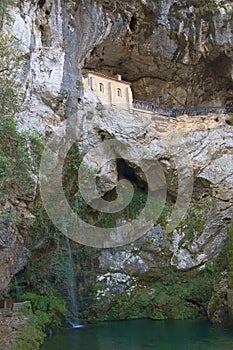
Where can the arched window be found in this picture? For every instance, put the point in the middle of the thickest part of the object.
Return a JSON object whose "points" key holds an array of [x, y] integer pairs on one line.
{"points": [[101, 86], [119, 92]]}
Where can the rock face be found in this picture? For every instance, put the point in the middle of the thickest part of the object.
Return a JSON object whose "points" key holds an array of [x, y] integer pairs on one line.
{"points": [[13, 255], [15, 221], [170, 50], [209, 153], [195, 155], [174, 53]]}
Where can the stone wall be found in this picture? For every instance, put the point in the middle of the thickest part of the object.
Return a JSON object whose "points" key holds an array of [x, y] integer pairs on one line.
{"points": [[110, 91]]}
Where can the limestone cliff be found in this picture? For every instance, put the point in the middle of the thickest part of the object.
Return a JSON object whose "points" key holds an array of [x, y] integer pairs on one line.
{"points": [[174, 53]]}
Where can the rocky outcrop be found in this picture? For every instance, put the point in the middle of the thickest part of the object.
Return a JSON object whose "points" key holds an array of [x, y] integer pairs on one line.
{"points": [[13, 254], [15, 221], [203, 146], [171, 51], [209, 153], [174, 53]]}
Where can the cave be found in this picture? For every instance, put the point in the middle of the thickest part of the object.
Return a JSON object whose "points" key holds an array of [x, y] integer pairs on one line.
{"points": [[126, 171], [129, 172], [133, 24], [201, 188], [140, 52], [41, 3]]}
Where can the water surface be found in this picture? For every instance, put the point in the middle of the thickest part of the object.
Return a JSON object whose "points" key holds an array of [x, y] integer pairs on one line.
{"points": [[143, 334]]}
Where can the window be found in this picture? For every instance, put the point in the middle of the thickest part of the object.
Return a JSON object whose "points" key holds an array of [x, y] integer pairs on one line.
{"points": [[101, 86], [119, 92]]}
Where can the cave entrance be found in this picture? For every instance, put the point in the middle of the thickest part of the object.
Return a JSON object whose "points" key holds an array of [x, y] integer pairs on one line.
{"points": [[126, 171], [131, 173]]}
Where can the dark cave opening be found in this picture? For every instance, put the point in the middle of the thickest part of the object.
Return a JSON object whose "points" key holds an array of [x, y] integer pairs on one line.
{"points": [[133, 24], [126, 171], [133, 209], [41, 3]]}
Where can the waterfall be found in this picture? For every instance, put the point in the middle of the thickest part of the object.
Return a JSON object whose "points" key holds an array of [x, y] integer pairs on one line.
{"points": [[71, 287]]}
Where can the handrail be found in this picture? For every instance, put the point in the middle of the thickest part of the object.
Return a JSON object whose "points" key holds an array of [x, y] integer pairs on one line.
{"points": [[175, 112]]}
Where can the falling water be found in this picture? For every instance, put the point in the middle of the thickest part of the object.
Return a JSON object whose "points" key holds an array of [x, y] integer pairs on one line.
{"points": [[71, 288]]}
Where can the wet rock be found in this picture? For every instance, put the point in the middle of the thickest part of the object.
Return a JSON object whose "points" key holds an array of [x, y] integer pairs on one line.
{"points": [[13, 255]]}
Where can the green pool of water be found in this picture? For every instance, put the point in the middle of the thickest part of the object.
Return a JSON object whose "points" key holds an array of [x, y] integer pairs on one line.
{"points": [[143, 334]]}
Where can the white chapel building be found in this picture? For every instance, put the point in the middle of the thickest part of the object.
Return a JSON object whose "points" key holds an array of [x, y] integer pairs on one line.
{"points": [[110, 91]]}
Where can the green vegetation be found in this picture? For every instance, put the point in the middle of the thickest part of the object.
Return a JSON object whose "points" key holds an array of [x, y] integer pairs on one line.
{"points": [[230, 119], [29, 337], [42, 227], [163, 219], [230, 255], [47, 311], [211, 6], [191, 225], [46, 271], [136, 205], [130, 213], [19, 152], [206, 6], [172, 295], [70, 173], [194, 223], [71, 187], [19, 157]]}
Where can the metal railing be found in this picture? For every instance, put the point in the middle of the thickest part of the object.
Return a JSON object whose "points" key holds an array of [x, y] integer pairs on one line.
{"points": [[176, 112], [146, 106]]}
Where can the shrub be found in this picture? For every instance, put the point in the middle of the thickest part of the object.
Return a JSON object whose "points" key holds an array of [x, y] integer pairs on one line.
{"points": [[29, 338], [48, 310], [19, 154], [230, 119]]}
